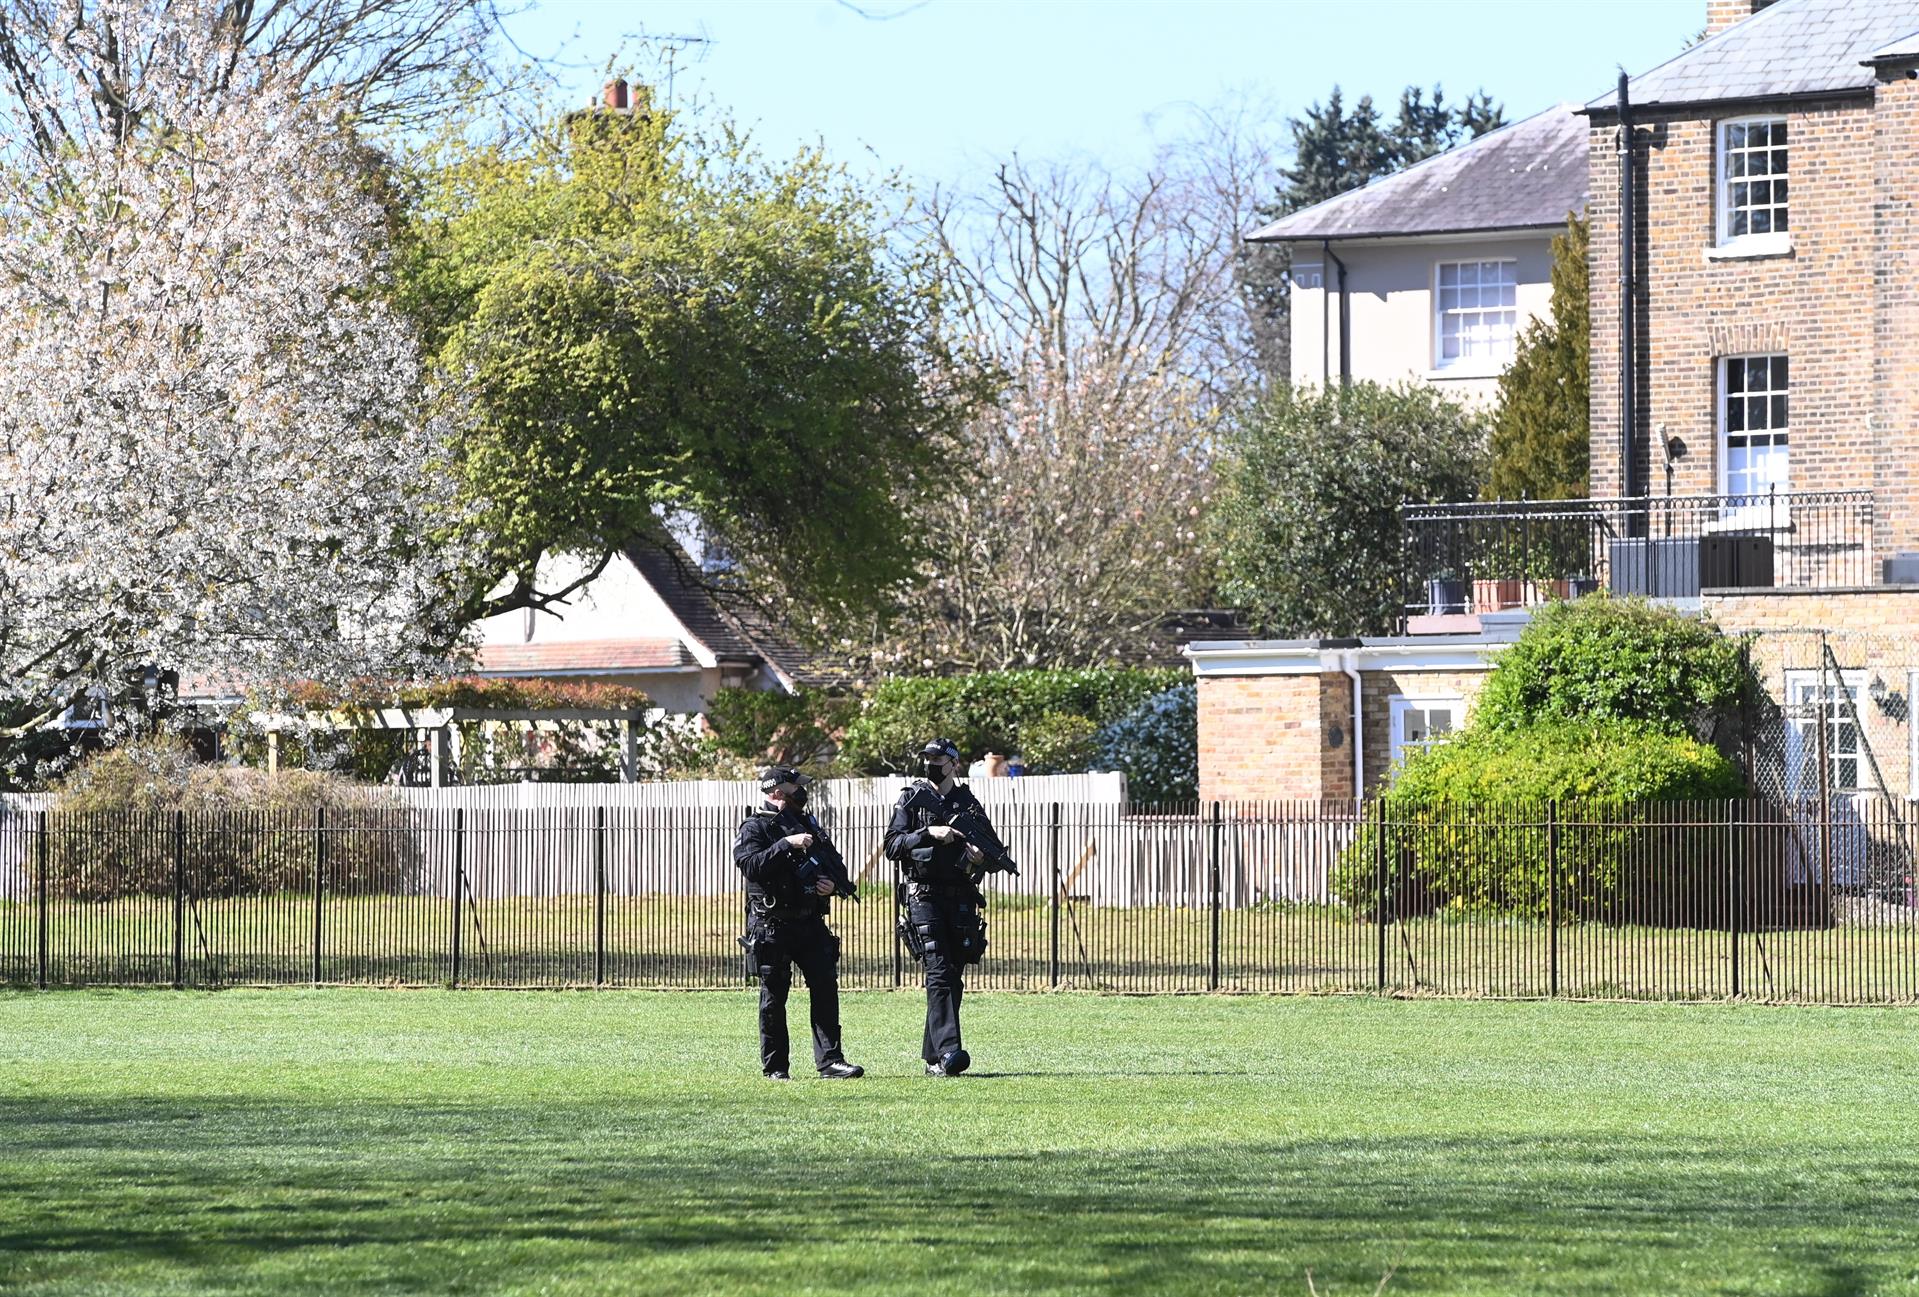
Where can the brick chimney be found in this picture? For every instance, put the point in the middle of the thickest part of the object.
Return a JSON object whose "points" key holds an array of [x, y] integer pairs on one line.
{"points": [[615, 94], [1721, 14]]}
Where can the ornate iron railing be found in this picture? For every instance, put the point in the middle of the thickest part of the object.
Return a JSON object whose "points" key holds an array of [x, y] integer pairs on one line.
{"points": [[1486, 556]]}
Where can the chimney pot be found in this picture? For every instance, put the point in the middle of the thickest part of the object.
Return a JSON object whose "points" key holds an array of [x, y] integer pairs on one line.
{"points": [[616, 95]]}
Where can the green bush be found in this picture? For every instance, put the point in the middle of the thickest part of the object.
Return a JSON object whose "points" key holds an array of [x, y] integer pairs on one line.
{"points": [[768, 725], [1060, 743], [1605, 659], [1156, 746], [1467, 819], [1306, 524], [248, 833], [992, 711]]}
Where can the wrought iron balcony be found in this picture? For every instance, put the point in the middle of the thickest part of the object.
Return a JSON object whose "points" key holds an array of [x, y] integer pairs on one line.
{"points": [[1486, 556]]}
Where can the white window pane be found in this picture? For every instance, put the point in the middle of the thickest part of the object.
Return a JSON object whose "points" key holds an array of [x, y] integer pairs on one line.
{"points": [[1735, 137], [1448, 274]]}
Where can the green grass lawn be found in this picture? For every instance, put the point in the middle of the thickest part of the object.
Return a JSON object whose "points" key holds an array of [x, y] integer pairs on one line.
{"points": [[689, 942], [486, 1142]]}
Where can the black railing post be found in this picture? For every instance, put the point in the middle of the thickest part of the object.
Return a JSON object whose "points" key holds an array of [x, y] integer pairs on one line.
{"points": [[599, 896], [1552, 898], [179, 899], [459, 886], [1213, 871], [40, 849], [1735, 893], [1052, 852], [1379, 881], [319, 885]]}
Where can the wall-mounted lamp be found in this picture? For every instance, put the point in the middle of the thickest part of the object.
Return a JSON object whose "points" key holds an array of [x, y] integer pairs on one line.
{"points": [[1887, 700]]}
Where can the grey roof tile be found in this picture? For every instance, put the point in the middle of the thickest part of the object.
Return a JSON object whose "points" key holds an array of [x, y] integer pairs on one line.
{"points": [[1794, 47], [1524, 176]]}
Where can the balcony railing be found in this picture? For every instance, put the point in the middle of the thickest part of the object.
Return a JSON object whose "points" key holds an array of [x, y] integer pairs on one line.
{"points": [[1491, 555]]}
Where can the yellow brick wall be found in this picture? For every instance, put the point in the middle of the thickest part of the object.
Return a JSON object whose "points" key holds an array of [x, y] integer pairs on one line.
{"points": [[1814, 304], [1378, 688], [1260, 738]]}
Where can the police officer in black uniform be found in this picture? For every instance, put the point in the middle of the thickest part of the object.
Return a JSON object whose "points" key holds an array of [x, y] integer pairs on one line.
{"points": [[944, 843], [792, 870]]}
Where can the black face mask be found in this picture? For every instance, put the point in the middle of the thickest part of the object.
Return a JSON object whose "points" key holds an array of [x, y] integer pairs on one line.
{"points": [[797, 801], [933, 772]]}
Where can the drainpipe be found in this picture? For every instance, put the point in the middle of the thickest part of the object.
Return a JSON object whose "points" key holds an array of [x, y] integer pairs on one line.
{"points": [[1325, 320], [1345, 317], [1349, 663], [1628, 213]]}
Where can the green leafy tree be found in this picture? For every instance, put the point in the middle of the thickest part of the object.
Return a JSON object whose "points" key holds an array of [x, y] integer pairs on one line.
{"points": [[1307, 521], [1541, 437], [1336, 148], [652, 320]]}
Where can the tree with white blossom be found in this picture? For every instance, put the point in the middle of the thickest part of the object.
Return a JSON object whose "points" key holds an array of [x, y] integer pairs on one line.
{"points": [[217, 450]]}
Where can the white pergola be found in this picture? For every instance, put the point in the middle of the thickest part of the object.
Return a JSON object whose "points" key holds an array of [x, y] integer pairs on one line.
{"points": [[437, 723]]}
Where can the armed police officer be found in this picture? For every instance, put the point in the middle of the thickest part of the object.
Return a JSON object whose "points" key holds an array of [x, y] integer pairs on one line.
{"points": [[944, 844], [792, 871]]}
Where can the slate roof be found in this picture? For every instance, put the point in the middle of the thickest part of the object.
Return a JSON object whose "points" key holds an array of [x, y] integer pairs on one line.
{"points": [[1524, 176], [1792, 48]]}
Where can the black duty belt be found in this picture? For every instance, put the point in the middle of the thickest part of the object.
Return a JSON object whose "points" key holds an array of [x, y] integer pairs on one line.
{"points": [[945, 891], [765, 907]]}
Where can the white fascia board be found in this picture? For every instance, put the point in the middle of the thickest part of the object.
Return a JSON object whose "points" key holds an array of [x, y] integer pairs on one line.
{"points": [[1419, 657], [1262, 660], [1254, 659]]}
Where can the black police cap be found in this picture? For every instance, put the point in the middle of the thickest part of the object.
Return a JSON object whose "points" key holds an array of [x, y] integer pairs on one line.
{"points": [[940, 748], [773, 776]]}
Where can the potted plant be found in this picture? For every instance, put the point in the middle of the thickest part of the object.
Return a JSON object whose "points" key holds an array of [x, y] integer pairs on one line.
{"points": [[1445, 593], [1499, 583]]}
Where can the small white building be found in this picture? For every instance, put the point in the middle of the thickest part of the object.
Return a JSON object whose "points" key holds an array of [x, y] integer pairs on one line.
{"points": [[1432, 272]]}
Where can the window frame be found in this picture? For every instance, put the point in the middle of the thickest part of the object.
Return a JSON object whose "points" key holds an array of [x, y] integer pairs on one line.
{"points": [[1472, 365], [1802, 743], [1399, 704], [1773, 241], [1722, 451]]}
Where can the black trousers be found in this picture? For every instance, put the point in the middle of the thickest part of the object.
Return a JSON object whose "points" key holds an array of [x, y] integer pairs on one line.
{"points": [[808, 944], [940, 921]]}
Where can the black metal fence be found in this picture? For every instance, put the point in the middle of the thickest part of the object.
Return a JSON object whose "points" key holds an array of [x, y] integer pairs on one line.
{"points": [[1764, 900], [1486, 556]]}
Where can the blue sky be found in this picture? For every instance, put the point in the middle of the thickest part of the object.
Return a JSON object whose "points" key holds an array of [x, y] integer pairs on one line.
{"points": [[943, 89]]}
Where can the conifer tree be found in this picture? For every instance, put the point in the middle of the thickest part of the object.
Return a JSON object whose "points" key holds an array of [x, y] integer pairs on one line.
{"points": [[1336, 149], [1540, 435]]}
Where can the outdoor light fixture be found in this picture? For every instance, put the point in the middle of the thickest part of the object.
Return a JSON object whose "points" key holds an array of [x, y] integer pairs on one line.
{"points": [[1893, 704]]}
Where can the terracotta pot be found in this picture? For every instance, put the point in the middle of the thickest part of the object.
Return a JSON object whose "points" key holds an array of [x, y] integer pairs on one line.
{"points": [[1491, 596]]}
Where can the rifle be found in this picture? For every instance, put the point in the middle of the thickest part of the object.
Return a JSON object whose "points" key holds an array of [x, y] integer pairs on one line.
{"points": [[973, 825], [814, 866]]}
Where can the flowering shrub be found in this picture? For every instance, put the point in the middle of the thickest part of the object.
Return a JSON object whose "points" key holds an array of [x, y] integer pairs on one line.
{"points": [[1156, 746]]}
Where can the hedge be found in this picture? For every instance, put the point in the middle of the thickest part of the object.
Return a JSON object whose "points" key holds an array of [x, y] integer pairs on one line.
{"points": [[249, 834], [995, 711]]}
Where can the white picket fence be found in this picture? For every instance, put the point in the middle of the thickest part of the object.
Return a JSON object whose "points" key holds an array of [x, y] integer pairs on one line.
{"points": [[676, 839]]}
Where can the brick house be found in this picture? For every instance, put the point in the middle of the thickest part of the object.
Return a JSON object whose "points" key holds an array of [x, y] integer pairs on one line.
{"points": [[1763, 347]]}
